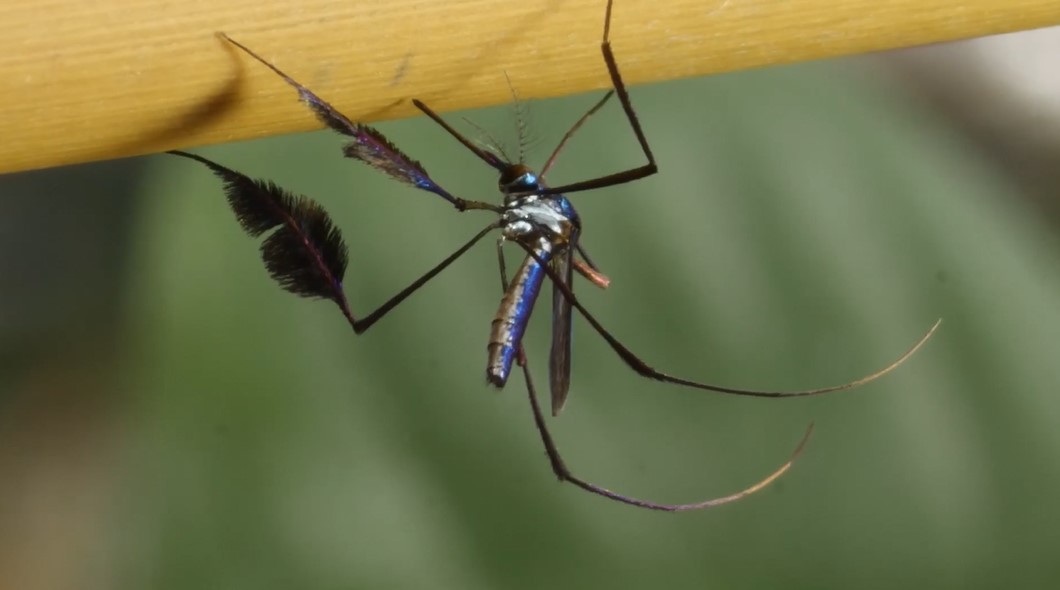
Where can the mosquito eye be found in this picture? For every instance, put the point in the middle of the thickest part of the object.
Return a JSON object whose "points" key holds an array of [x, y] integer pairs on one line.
{"points": [[524, 183]]}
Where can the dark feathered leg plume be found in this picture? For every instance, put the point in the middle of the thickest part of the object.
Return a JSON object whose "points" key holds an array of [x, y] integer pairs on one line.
{"points": [[306, 254]]}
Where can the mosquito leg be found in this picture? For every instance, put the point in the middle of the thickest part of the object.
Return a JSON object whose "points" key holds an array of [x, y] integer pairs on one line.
{"points": [[368, 145], [361, 325], [570, 133], [642, 368], [310, 260], [500, 263], [564, 474], [623, 97]]}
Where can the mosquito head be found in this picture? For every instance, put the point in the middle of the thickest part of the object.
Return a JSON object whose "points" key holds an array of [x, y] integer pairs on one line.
{"points": [[518, 178]]}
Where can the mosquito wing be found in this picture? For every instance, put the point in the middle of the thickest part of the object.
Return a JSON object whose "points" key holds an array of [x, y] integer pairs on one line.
{"points": [[559, 359]]}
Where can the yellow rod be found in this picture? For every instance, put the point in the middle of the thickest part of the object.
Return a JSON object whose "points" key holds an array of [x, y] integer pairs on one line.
{"points": [[93, 80]]}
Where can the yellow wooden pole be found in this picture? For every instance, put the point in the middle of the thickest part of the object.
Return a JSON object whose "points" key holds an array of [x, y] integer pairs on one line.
{"points": [[91, 80]]}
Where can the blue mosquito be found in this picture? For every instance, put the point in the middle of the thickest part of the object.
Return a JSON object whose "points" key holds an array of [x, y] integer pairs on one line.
{"points": [[306, 255]]}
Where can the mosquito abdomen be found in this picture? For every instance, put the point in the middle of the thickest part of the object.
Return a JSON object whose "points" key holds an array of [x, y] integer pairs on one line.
{"points": [[509, 324]]}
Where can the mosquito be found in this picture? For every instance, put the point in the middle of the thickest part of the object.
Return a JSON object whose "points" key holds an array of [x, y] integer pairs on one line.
{"points": [[306, 255]]}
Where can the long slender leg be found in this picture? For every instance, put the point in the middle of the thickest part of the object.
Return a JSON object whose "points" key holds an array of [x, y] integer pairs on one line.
{"points": [[564, 474], [620, 89], [368, 145], [642, 368], [500, 262], [559, 468], [305, 253], [570, 133], [361, 325]]}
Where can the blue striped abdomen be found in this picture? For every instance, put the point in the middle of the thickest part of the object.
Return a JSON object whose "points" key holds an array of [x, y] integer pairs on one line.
{"points": [[512, 317]]}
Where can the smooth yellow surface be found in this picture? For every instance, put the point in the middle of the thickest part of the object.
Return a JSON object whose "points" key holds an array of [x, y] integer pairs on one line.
{"points": [[82, 81]]}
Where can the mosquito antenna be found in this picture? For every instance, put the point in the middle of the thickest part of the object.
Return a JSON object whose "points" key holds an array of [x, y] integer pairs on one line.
{"points": [[520, 119], [483, 155], [491, 142]]}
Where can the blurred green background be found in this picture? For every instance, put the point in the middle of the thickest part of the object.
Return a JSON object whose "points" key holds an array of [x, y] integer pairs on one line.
{"points": [[807, 225]]}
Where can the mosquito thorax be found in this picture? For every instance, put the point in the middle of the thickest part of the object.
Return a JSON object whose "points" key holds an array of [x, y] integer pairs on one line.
{"points": [[540, 216]]}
